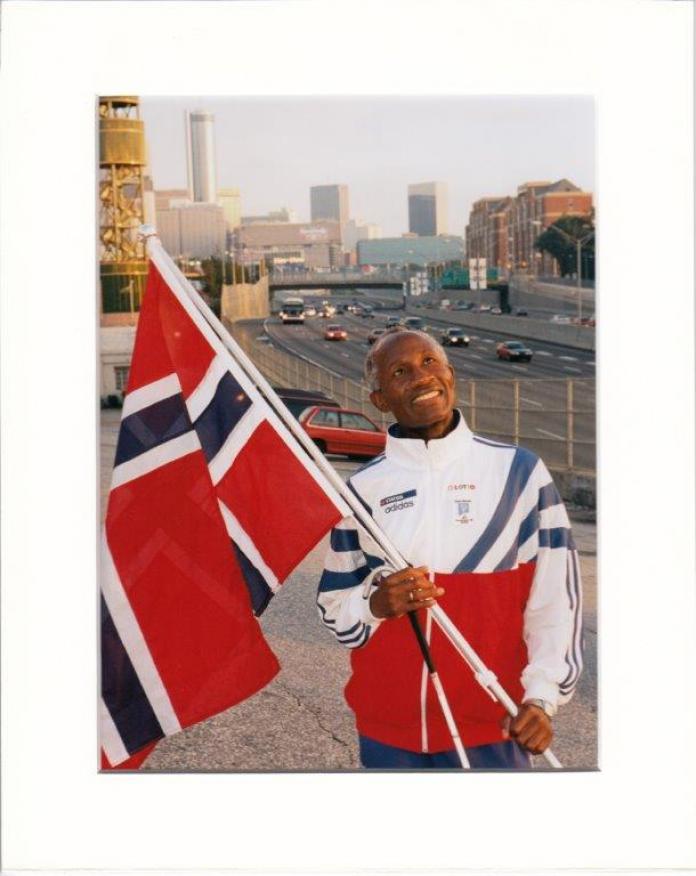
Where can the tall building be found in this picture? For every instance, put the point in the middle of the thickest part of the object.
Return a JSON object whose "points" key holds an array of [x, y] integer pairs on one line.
{"points": [[487, 234], [200, 155], [312, 244], [167, 198], [427, 209], [192, 230], [231, 203], [355, 230], [329, 203]]}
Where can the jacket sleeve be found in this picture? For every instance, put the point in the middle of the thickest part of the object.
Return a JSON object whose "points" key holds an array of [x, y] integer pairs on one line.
{"points": [[346, 585], [553, 614]]}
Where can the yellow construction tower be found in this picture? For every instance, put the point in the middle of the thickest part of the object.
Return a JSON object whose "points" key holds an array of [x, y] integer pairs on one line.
{"points": [[122, 159]]}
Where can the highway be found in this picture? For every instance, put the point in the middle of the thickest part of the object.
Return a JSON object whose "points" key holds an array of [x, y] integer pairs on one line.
{"points": [[478, 361], [542, 424]]}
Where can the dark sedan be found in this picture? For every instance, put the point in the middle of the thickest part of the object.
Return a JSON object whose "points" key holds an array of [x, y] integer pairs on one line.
{"points": [[454, 337], [513, 351]]}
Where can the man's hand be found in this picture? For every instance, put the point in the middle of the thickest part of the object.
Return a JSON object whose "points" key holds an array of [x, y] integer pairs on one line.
{"points": [[404, 591], [531, 728]]}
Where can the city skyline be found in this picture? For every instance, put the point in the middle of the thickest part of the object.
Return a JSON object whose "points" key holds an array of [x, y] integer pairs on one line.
{"points": [[276, 149]]}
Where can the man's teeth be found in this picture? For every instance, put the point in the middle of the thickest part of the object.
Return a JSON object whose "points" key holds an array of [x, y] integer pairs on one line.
{"points": [[426, 396]]}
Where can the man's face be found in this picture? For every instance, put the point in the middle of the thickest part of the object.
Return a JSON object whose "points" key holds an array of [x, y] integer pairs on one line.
{"points": [[416, 383]]}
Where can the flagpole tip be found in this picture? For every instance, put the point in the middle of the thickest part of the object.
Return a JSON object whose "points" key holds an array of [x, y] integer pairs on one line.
{"points": [[146, 231]]}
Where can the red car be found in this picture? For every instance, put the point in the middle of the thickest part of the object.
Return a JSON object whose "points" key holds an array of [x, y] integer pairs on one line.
{"points": [[337, 430], [513, 351], [335, 333]]}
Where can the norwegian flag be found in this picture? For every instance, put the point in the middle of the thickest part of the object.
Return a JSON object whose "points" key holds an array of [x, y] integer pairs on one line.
{"points": [[213, 503]]}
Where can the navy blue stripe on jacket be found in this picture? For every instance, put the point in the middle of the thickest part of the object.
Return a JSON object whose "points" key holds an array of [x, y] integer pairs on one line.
{"points": [[343, 580], [523, 464], [574, 656]]}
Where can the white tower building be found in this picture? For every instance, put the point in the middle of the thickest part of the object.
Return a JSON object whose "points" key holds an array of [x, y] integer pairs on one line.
{"points": [[200, 155]]}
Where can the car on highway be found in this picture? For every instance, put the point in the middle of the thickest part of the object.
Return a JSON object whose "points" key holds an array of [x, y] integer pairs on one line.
{"points": [[415, 324], [299, 400], [521, 312], [340, 430], [496, 311], [335, 332], [393, 320], [462, 305], [310, 310], [560, 319], [374, 334], [365, 310], [454, 337], [513, 351]]}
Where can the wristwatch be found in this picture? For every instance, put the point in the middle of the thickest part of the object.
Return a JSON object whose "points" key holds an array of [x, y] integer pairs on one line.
{"points": [[545, 705]]}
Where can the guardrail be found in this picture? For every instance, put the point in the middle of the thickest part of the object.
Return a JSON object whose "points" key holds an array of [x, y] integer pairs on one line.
{"points": [[554, 417]]}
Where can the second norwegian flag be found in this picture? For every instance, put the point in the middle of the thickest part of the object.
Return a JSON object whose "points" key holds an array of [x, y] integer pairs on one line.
{"points": [[212, 505]]}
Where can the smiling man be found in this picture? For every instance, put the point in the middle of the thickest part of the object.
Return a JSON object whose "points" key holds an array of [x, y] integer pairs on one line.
{"points": [[488, 537]]}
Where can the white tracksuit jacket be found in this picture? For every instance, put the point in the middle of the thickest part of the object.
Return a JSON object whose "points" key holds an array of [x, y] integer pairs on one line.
{"points": [[487, 519]]}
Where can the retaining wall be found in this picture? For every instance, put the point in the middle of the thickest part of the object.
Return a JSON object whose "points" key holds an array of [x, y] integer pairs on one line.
{"points": [[580, 337], [245, 301]]}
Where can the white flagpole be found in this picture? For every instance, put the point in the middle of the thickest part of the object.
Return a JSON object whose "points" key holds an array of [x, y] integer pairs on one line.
{"points": [[483, 675]]}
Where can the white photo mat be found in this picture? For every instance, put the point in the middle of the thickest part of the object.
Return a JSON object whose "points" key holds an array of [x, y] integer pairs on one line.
{"points": [[639, 811]]}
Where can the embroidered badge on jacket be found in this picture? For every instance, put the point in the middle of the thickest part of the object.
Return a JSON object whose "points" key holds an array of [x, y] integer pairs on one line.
{"points": [[463, 507]]}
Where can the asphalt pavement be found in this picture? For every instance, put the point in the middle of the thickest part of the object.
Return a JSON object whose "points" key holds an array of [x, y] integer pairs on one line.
{"points": [[300, 721]]}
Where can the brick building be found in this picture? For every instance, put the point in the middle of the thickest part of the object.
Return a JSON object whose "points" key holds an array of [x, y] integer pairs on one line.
{"points": [[503, 229]]}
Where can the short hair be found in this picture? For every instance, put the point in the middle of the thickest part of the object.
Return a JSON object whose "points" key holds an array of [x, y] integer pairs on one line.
{"points": [[370, 369]]}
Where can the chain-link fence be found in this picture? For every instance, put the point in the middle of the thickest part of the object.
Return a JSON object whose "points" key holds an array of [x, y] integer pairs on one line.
{"points": [[555, 417]]}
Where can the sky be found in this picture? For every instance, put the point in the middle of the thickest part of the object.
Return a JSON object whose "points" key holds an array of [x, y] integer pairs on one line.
{"points": [[274, 149]]}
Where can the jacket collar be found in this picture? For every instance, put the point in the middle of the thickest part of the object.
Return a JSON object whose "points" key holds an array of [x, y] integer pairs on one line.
{"points": [[416, 453]]}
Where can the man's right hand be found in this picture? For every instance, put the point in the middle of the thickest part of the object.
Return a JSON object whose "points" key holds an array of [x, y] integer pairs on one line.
{"points": [[403, 591]]}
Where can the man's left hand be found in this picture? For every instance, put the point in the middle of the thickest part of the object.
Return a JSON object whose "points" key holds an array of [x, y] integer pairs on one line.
{"points": [[532, 728]]}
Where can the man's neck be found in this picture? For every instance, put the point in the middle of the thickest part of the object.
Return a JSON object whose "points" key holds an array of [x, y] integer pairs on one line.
{"points": [[429, 433]]}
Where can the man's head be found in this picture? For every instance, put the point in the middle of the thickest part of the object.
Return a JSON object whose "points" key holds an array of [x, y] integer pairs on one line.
{"points": [[410, 376]]}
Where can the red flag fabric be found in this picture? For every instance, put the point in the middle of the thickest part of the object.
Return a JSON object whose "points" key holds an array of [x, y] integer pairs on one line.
{"points": [[212, 505]]}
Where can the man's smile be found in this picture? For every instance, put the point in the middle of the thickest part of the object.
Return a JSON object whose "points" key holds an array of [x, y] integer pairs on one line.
{"points": [[426, 396]]}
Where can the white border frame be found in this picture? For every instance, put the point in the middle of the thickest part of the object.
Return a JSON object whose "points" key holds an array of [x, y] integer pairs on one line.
{"points": [[635, 56]]}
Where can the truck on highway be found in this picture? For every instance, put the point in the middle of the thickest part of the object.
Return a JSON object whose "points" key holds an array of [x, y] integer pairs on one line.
{"points": [[292, 310]]}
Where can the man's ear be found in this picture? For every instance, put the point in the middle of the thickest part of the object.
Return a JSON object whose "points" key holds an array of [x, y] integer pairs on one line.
{"points": [[378, 401]]}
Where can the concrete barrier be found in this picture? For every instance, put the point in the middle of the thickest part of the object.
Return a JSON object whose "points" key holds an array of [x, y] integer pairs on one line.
{"points": [[245, 301], [579, 337]]}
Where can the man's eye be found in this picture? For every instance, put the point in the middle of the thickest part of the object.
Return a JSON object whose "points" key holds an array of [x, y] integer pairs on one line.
{"points": [[398, 372]]}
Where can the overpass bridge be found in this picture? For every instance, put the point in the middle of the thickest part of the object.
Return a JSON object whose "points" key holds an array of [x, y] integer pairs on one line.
{"points": [[393, 279]]}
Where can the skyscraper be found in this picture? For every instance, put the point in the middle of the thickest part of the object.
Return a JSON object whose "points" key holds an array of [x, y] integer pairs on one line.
{"points": [[329, 202], [427, 209], [200, 155]]}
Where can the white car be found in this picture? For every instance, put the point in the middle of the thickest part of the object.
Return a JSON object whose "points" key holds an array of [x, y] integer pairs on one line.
{"points": [[560, 319]]}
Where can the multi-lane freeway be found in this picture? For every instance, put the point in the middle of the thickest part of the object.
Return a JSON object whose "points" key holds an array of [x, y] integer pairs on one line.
{"points": [[529, 400], [477, 361]]}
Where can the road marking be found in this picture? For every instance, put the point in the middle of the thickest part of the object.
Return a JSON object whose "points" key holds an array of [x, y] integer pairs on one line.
{"points": [[345, 355], [543, 353], [475, 356], [531, 401], [574, 370], [568, 358], [488, 340], [551, 434], [519, 368]]}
